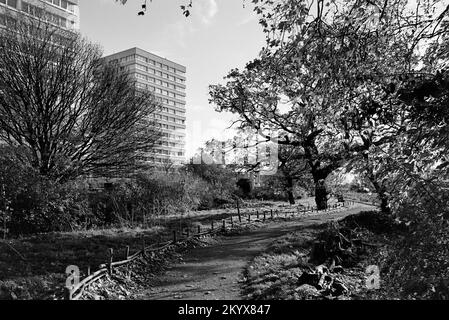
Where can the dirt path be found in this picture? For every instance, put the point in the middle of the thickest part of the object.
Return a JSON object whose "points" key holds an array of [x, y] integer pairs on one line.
{"points": [[215, 271]]}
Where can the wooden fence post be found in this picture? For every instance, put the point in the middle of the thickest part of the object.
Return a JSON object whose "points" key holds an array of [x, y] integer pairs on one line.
{"points": [[249, 217], [143, 247], [238, 211], [111, 258], [68, 293], [199, 229], [188, 232], [212, 224], [257, 214], [224, 224], [264, 216], [271, 211], [88, 271]]}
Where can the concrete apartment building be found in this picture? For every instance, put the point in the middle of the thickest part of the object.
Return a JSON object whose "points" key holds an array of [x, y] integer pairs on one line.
{"points": [[166, 80], [62, 13]]}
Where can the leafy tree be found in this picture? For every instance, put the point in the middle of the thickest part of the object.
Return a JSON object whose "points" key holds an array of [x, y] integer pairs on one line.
{"points": [[293, 169], [222, 178], [247, 156], [68, 111], [326, 78]]}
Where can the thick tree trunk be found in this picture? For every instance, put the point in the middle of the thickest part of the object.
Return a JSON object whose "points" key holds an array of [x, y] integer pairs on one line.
{"points": [[320, 195], [384, 199], [384, 205], [291, 198], [319, 175], [380, 190], [319, 170]]}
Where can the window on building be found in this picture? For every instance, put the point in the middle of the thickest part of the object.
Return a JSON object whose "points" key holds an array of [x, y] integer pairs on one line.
{"points": [[63, 22], [25, 7], [139, 66], [12, 3]]}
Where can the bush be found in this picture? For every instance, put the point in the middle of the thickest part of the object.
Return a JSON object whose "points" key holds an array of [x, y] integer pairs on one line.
{"points": [[416, 265], [336, 244], [157, 193], [274, 188], [35, 204], [374, 221]]}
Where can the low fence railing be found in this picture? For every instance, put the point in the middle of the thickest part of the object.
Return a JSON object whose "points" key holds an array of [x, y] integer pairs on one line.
{"points": [[75, 291]]}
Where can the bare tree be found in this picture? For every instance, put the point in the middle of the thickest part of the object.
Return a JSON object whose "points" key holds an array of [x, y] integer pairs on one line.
{"points": [[168, 166], [72, 112]]}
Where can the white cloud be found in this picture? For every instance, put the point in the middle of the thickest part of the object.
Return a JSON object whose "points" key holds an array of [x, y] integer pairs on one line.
{"points": [[251, 17], [206, 10]]}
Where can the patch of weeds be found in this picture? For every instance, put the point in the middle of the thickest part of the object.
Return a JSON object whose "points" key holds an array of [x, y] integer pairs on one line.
{"points": [[317, 262], [127, 282]]}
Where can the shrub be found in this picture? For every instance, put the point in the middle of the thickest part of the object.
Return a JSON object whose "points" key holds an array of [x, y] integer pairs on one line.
{"points": [[37, 204]]}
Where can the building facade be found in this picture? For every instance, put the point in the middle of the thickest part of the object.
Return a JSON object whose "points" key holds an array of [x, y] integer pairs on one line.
{"points": [[62, 13], [167, 81]]}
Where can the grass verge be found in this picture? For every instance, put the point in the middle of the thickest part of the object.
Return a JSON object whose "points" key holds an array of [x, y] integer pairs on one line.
{"points": [[326, 261]]}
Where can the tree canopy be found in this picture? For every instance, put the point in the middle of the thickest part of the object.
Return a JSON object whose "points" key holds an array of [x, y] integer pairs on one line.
{"points": [[334, 76], [65, 110]]}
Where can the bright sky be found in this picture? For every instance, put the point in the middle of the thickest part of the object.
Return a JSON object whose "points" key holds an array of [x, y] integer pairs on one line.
{"points": [[218, 36]]}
